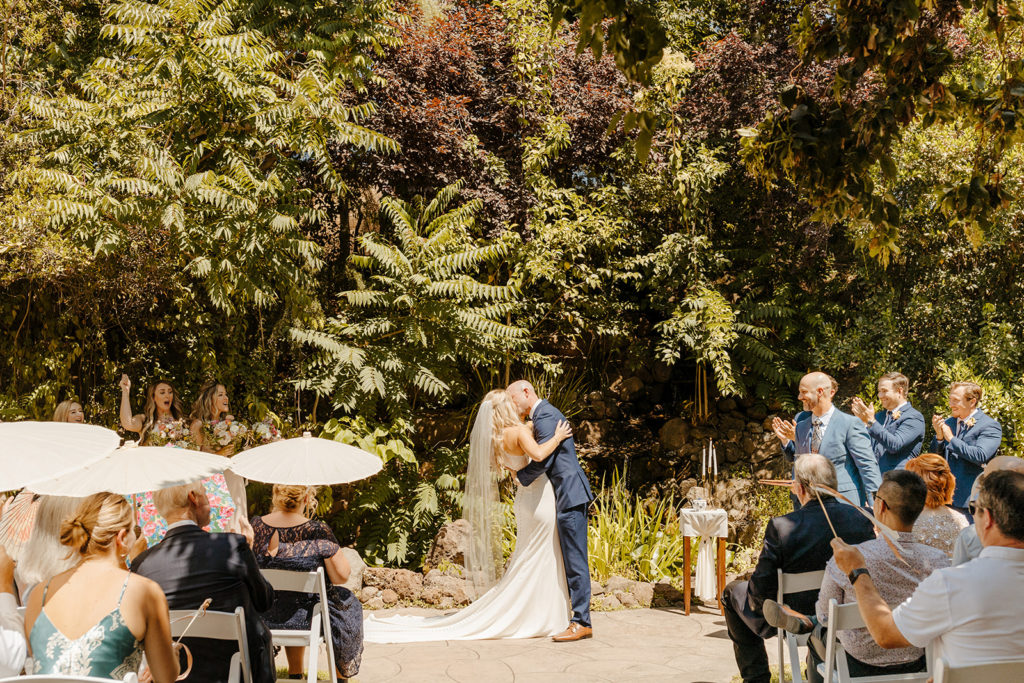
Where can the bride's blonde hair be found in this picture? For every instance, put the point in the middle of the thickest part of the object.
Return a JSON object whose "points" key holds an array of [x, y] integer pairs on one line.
{"points": [[504, 415]]}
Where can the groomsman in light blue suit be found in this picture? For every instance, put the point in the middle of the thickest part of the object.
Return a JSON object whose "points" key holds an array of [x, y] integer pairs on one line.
{"points": [[839, 436], [896, 431], [968, 439]]}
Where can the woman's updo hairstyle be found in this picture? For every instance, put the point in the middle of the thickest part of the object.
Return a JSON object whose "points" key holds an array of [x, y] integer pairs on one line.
{"points": [[293, 498], [93, 529]]}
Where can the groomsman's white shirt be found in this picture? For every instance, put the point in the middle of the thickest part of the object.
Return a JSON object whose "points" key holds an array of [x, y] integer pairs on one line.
{"points": [[12, 637], [971, 612]]}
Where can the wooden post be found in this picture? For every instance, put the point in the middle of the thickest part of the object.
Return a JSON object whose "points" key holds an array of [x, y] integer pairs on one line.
{"points": [[686, 574]]}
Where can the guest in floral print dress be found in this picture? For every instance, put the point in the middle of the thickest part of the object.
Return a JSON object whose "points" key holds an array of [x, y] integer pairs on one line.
{"points": [[287, 539]]}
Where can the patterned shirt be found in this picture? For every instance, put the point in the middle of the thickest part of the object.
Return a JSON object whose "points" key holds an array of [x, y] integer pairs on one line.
{"points": [[895, 582], [939, 527]]}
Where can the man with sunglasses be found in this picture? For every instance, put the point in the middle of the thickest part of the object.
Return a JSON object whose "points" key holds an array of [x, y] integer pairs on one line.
{"points": [[971, 613], [968, 545]]}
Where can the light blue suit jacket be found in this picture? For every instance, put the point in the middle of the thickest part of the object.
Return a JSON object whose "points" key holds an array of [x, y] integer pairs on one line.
{"points": [[847, 445], [968, 453]]}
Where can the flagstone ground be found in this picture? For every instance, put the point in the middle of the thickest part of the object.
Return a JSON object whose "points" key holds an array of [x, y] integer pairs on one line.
{"points": [[628, 645]]}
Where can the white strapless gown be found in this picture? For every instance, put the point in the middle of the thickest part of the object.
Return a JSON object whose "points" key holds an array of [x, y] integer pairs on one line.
{"points": [[530, 600]]}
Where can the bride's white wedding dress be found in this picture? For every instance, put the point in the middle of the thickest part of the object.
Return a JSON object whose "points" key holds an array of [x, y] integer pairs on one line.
{"points": [[530, 600]]}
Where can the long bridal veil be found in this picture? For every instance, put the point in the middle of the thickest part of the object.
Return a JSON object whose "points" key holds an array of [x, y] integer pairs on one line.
{"points": [[480, 505]]}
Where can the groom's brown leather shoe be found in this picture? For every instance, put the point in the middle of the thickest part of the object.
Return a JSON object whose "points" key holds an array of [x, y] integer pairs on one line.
{"points": [[574, 632]]}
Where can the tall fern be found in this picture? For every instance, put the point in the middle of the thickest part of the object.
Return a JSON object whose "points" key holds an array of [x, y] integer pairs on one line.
{"points": [[428, 304]]}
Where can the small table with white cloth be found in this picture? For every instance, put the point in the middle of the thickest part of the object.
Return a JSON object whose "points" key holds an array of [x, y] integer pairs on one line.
{"points": [[708, 525]]}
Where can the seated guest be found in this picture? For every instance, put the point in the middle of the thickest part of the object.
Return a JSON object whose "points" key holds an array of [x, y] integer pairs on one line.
{"points": [[968, 545], [795, 543], [286, 539], [897, 505], [897, 430], [970, 614], [12, 626], [192, 565], [113, 615], [967, 440], [939, 525], [43, 555]]}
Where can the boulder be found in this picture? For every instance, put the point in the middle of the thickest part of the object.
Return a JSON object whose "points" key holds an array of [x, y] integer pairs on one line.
{"points": [[440, 589], [666, 595], [726, 405], [408, 584], [631, 388], [626, 599], [618, 583], [450, 544], [355, 562], [610, 602], [758, 411], [368, 593], [674, 434], [375, 602], [643, 592], [389, 596], [596, 588], [590, 432]]}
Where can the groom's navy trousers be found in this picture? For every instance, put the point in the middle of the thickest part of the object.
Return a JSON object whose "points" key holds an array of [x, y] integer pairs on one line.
{"points": [[572, 498]]}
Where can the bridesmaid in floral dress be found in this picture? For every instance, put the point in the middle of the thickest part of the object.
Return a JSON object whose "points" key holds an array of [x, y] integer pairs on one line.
{"points": [[215, 430], [163, 423]]}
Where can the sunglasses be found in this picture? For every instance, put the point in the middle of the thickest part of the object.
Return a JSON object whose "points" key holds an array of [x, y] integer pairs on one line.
{"points": [[973, 508]]}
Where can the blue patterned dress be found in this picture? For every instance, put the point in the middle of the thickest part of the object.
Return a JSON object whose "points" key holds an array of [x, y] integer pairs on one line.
{"points": [[107, 650], [304, 548]]}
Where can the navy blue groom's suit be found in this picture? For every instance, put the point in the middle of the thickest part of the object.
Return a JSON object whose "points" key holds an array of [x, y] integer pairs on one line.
{"points": [[572, 498], [976, 443], [895, 441]]}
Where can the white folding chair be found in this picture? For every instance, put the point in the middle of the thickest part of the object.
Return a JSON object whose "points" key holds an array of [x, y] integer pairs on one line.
{"points": [[54, 678], [788, 584], [836, 668], [993, 672], [218, 626], [319, 631]]}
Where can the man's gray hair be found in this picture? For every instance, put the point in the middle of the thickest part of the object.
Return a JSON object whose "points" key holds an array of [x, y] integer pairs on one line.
{"points": [[169, 500], [812, 469]]}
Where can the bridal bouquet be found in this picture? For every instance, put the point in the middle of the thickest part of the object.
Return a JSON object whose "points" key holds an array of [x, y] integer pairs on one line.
{"points": [[171, 434], [264, 432], [226, 432]]}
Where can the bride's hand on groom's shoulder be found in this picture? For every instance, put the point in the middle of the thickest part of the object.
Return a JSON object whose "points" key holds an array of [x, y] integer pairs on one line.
{"points": [[563, 431]]}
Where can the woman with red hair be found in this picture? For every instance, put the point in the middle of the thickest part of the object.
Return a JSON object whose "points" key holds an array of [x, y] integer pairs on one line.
{"points": [[939, 524]]}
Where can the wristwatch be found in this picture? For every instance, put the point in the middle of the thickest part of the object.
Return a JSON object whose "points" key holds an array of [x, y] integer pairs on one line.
{"points": [[856, 574]]}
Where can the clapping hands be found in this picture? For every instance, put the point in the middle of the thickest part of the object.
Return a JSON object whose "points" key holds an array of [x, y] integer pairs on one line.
{"points": [[784, 429], [942, 430], [865, 411]]}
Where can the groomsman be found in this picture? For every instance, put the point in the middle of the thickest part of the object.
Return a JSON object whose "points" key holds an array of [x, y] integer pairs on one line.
{"points": [[896, 431], [968, 439], [839, 436]]}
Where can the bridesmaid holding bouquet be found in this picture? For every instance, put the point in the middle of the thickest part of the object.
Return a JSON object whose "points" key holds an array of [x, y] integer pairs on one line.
{"points": [[215, 430]]}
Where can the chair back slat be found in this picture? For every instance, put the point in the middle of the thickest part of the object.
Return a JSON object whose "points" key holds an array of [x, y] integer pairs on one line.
{"points": [[799, 583], [848, 617], [299, 582], [213, 625], [1007, 670]]}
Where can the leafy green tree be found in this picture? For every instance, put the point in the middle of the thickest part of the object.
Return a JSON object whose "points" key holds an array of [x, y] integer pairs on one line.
{"points": [[428, 306]]}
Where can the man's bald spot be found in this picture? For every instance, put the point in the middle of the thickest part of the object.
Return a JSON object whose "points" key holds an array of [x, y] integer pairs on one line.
{"points": [[818, 380], [1005, 462], [519, 386]]}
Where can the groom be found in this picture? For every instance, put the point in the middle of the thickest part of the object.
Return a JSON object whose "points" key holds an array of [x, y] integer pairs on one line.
{"points": [[572, 498]]}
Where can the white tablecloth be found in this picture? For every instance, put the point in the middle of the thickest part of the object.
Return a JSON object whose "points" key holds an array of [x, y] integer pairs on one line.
{"points": [[709, 525]]}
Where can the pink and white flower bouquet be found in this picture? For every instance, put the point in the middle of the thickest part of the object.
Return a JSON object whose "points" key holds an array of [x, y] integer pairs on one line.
{"points": [[226, 432], [263, 433], [171, 434]]}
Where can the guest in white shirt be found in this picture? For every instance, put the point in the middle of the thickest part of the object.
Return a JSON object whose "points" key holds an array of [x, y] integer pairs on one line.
{"points": [[971, 613], [968, 545], [12, 624]]}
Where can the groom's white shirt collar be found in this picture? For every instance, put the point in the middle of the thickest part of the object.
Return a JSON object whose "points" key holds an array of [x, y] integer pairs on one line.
{"points": [[534, 407]]}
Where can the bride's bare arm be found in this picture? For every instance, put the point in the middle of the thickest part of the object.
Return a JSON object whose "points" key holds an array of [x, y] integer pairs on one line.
{"points": [[540, 451]]}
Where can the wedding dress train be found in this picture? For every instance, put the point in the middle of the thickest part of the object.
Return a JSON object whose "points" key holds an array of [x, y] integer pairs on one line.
{"points": [[530, 600]]}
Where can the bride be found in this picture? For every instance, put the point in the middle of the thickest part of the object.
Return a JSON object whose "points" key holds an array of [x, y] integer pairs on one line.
{"points": [[532, 598]]}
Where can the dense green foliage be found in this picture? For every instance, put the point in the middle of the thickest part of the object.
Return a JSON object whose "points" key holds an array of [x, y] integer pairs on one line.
{"points": [[367, 215]]}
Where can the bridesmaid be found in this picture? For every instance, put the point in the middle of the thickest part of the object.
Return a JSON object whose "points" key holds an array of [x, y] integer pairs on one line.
{"points": [[213, 406], [162, 405], [69, 411]]}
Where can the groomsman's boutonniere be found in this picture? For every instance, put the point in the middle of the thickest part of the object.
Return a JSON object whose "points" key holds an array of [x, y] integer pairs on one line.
{"points": [[895, 415], [969, 422]]}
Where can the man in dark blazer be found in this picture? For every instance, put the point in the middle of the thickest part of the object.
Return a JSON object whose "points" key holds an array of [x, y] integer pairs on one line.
{"points": [[192, 565], [896, 431], [840, 437], [572, 498], [795, 543], [968, 439]]}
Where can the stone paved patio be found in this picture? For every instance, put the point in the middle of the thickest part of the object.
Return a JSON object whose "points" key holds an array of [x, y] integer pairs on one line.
{"points": [[628, 645]]}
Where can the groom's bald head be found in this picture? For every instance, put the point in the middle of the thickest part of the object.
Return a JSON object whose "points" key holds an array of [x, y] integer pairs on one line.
{"points": [[523, 396]]}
